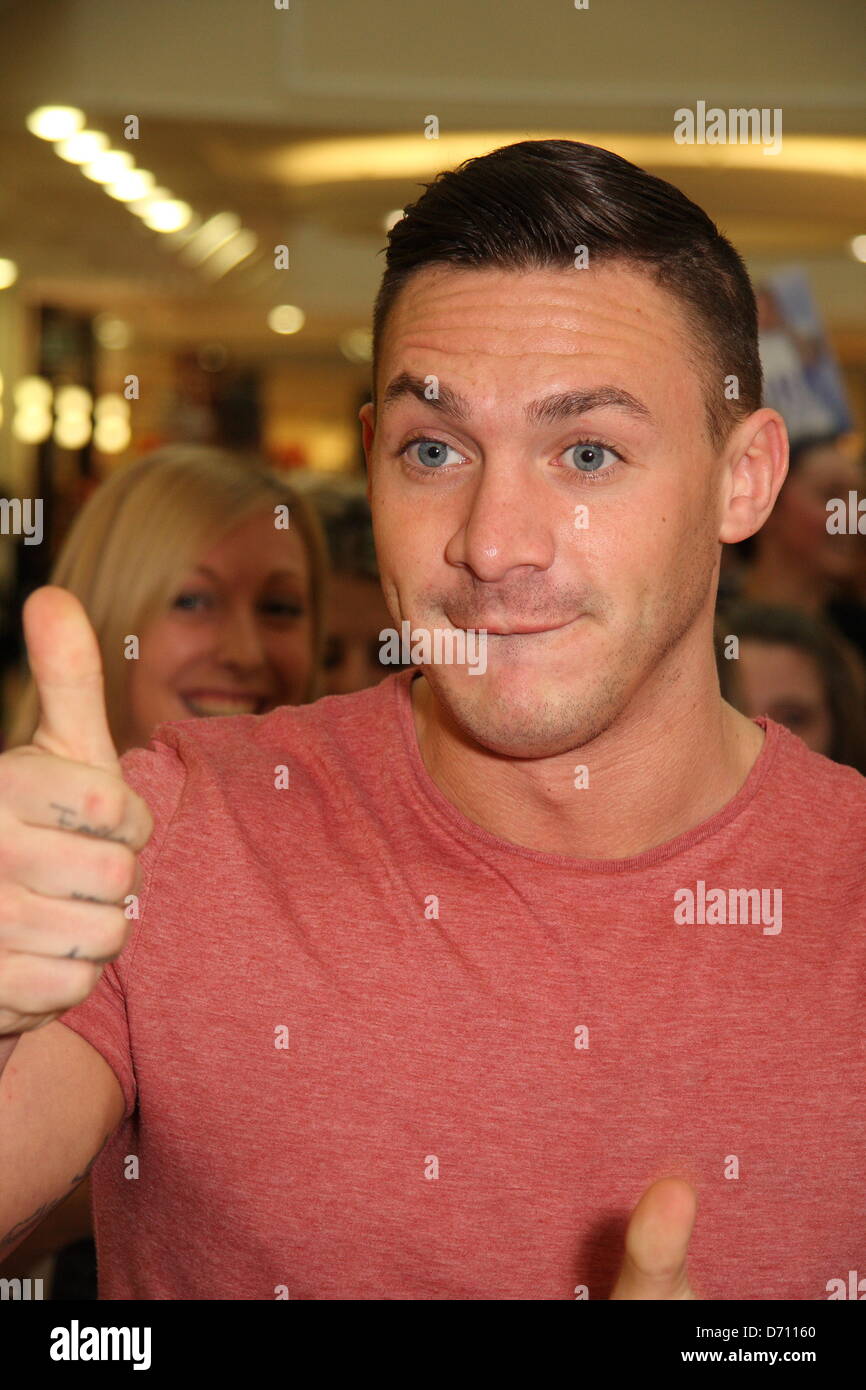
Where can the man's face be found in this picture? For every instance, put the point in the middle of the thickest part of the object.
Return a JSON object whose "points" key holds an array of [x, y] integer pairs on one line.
{"points": [[479, 525]]}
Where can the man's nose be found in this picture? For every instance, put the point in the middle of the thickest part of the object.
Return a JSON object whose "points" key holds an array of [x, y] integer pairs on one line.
{"points": [[509, 523]]}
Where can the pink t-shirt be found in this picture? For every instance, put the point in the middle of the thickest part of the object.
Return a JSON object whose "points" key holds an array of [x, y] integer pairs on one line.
{"points": [[371, 1051]]}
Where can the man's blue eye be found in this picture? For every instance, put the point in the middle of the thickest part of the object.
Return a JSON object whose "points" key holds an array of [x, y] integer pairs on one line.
{"points": [[436, 455], [589, 458]]}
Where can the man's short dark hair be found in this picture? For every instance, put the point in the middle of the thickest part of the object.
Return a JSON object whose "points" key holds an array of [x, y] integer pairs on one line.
{"points": [[530, 205]]}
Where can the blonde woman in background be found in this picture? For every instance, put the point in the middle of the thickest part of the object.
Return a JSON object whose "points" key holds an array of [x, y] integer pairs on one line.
{"points": [[182, 551]]}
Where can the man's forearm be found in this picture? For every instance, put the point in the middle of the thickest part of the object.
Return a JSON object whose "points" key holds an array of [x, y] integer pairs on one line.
{"points": [[69, 1221]]}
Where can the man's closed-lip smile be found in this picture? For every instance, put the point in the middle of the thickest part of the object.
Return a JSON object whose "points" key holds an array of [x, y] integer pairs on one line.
{"points": [[519, 629]]}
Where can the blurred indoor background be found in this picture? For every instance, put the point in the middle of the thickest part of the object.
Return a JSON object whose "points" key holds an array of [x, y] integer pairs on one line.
{"points": [[211, 278]]}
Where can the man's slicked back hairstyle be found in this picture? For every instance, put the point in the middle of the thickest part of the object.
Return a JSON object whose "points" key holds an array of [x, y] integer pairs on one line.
{"points": [[531, 205]]}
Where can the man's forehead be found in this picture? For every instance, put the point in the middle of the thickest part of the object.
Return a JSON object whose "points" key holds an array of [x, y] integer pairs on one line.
{"points": [[622, 287], [547, 320]]}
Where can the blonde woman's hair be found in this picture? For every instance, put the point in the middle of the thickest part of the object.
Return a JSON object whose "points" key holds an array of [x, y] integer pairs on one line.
{"points": [[142, 530]]}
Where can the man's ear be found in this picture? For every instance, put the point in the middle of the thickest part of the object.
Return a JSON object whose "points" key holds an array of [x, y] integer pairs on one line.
{"points": [[367, 416], [756, 463]]}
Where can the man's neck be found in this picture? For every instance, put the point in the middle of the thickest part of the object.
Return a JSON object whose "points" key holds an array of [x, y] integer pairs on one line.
{"points": [[649, 781]]}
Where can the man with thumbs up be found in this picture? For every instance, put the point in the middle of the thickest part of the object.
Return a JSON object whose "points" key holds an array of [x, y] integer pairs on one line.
{"points": [[408, 1009], [64, 918]]}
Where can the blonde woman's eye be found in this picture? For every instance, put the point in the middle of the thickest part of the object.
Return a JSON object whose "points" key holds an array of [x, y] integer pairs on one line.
{"points": [[189, 602], [284, 608]]}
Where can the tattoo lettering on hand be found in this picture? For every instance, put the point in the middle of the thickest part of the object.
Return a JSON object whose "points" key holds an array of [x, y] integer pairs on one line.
{"points": [[68, 820], [92, 960]]}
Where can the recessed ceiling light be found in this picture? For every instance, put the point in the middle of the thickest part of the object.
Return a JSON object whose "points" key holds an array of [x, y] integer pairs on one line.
{"points": [[167, 215], [286, 318], [111, 332], [82, 147], [357, 345], [111, 434], [108, 167], [142, 206], [132, 185], [33, 393], [55, 122]]}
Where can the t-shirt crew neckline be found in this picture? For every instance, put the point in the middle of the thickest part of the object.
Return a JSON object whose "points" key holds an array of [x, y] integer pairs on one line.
{"points": [[454, 819]]}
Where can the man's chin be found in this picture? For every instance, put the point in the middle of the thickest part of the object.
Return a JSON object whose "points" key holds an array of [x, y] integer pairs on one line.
{"points": [[508, 711]]}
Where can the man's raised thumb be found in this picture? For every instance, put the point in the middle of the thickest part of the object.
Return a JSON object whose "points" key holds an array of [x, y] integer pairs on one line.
{"points": [[67, 668], [657, 1243]]}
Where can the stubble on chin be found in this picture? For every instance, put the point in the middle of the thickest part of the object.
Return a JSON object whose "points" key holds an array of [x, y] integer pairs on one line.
{"points": [[533, 719]]}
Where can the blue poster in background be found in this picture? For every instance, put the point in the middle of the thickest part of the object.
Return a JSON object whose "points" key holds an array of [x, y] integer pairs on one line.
{"points": [[802, 379]]}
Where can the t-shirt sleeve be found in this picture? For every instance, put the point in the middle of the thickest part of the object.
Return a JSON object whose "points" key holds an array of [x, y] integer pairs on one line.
{"points": [[157, 773]]}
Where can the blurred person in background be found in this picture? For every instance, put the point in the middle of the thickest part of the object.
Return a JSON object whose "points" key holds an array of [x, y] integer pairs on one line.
{"points": [[356, 612], [796, 668], [794, 560], [791, 360], [181, 550]]}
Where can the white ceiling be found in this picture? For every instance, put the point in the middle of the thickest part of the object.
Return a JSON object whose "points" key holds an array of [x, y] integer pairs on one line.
{"points": [[226, 90]]}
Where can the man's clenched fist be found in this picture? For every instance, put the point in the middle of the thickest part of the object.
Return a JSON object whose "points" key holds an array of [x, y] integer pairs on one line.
{"points": [[70, 828]]}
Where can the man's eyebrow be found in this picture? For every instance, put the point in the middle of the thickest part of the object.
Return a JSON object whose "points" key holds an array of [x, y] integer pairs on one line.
{"points": [[566, 403], [448, 401], [547, 410]]}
